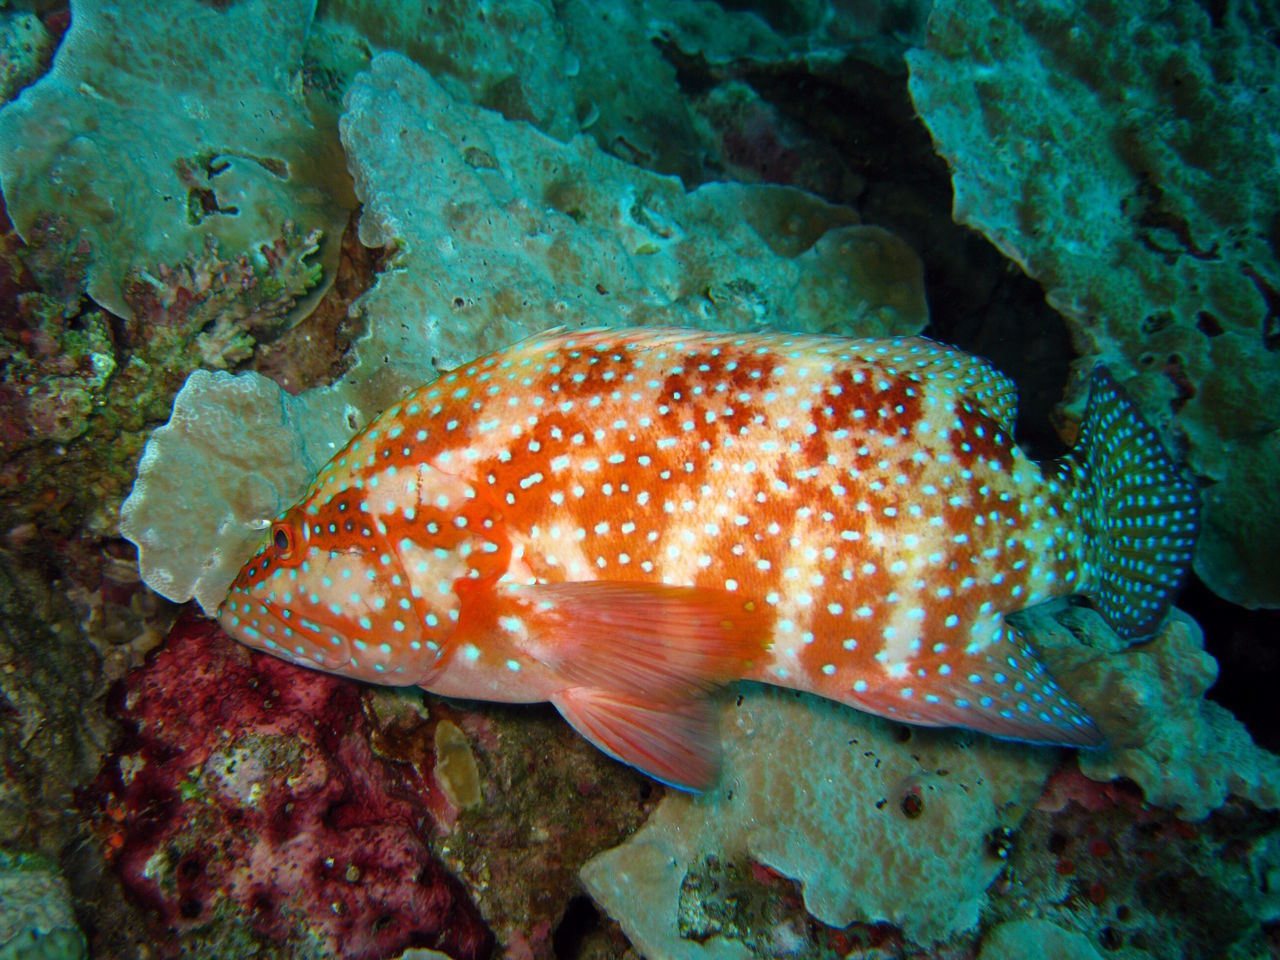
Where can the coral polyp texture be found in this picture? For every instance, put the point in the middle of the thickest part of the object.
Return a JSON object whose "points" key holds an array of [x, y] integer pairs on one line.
{"points": [[245, 808], [500, 232], [1126, 158], [162, 128]]}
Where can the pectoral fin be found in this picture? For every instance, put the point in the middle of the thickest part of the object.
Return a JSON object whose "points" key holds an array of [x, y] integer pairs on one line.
{"points": [[665, 642], [675, 742]]}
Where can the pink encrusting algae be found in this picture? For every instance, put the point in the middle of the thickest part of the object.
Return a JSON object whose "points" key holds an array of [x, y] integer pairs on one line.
{"points": [[619, 520]]}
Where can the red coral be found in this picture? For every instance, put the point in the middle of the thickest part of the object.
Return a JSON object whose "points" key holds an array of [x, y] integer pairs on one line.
{"points": [[247, 789]]}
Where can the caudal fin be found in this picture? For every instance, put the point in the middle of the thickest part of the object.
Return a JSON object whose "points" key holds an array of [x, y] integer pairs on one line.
{"points": [[1139, 512]]}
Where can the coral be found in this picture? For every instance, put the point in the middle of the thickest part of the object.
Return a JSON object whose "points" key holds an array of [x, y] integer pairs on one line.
{"points": [[512, 60], [252, 448], [25, 50], [599, 241], [246, 803], [1134, 881], [497, 232], [52, 722], [1185, 752], [1124, 157], [878, 822], [233, 151], [36, 920], [859, 810], [1024, 938]]}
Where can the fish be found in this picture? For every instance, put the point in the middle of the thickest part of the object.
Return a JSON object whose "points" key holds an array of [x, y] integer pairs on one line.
{"points": [[624, 521]]}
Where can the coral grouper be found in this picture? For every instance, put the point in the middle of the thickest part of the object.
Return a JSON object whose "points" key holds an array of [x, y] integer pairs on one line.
{"points": [[620, 520]]}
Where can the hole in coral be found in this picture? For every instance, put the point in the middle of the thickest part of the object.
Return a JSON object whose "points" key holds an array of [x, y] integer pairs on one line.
{"points": [[190, 868], [580, 919], [1155, 322], [912, 804], [1208, 324], [190, 908]]}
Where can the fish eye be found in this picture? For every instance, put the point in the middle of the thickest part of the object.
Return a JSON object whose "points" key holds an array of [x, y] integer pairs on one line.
{"points": [[282, 539]]}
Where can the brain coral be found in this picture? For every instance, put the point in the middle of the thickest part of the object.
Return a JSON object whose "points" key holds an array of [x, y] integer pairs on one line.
{"points": [[1124, 155], [164, 127]]}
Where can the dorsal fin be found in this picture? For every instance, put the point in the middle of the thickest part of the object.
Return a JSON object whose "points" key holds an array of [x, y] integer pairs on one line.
{"points": [[973, 378]]}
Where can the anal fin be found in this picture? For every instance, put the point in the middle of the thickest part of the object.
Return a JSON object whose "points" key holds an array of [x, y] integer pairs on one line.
{"points": [[1001, 689], [675, 742]]}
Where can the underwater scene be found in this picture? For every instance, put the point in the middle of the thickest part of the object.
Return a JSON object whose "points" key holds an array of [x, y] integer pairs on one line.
{"points": [[665, 479]]}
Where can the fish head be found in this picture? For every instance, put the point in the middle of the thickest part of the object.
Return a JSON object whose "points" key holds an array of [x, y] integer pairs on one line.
{"points": [[359, 582]]}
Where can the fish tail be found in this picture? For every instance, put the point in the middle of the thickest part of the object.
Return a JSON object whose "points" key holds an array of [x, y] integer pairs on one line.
{"points": [[1139, 512]]}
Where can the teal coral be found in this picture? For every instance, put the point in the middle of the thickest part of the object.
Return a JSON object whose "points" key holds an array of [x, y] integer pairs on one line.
{"points": [[877, 822], [1125, 158], [25, 49], [495, 234], [36, 921], [1186, 752], [204, 137]]}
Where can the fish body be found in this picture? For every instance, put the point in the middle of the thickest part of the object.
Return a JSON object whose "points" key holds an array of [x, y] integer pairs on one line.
{"points": [[619, 521]]}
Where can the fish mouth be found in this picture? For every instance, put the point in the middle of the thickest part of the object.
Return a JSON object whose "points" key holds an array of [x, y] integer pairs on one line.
{"points": [[275, 634]]}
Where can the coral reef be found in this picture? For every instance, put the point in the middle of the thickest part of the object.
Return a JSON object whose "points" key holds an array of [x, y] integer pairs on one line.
{"points": [[1136, 882], [52, 722], [498, 233], [512, 60], [246, 806], [188, 173], [233, 151], [249, 796], [278, 443], [860, 811], [599, 241], [78, 388], [1124, 158], [878, 822], [26, 47], [1023, 938], [1187, 753], [36, 919]]}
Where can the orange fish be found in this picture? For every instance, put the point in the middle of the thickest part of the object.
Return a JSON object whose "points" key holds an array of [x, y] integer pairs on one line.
{"points": [[619, 521]]}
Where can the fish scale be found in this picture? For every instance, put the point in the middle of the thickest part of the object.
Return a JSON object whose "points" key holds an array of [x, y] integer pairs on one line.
{"points": [[618, 521]]}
